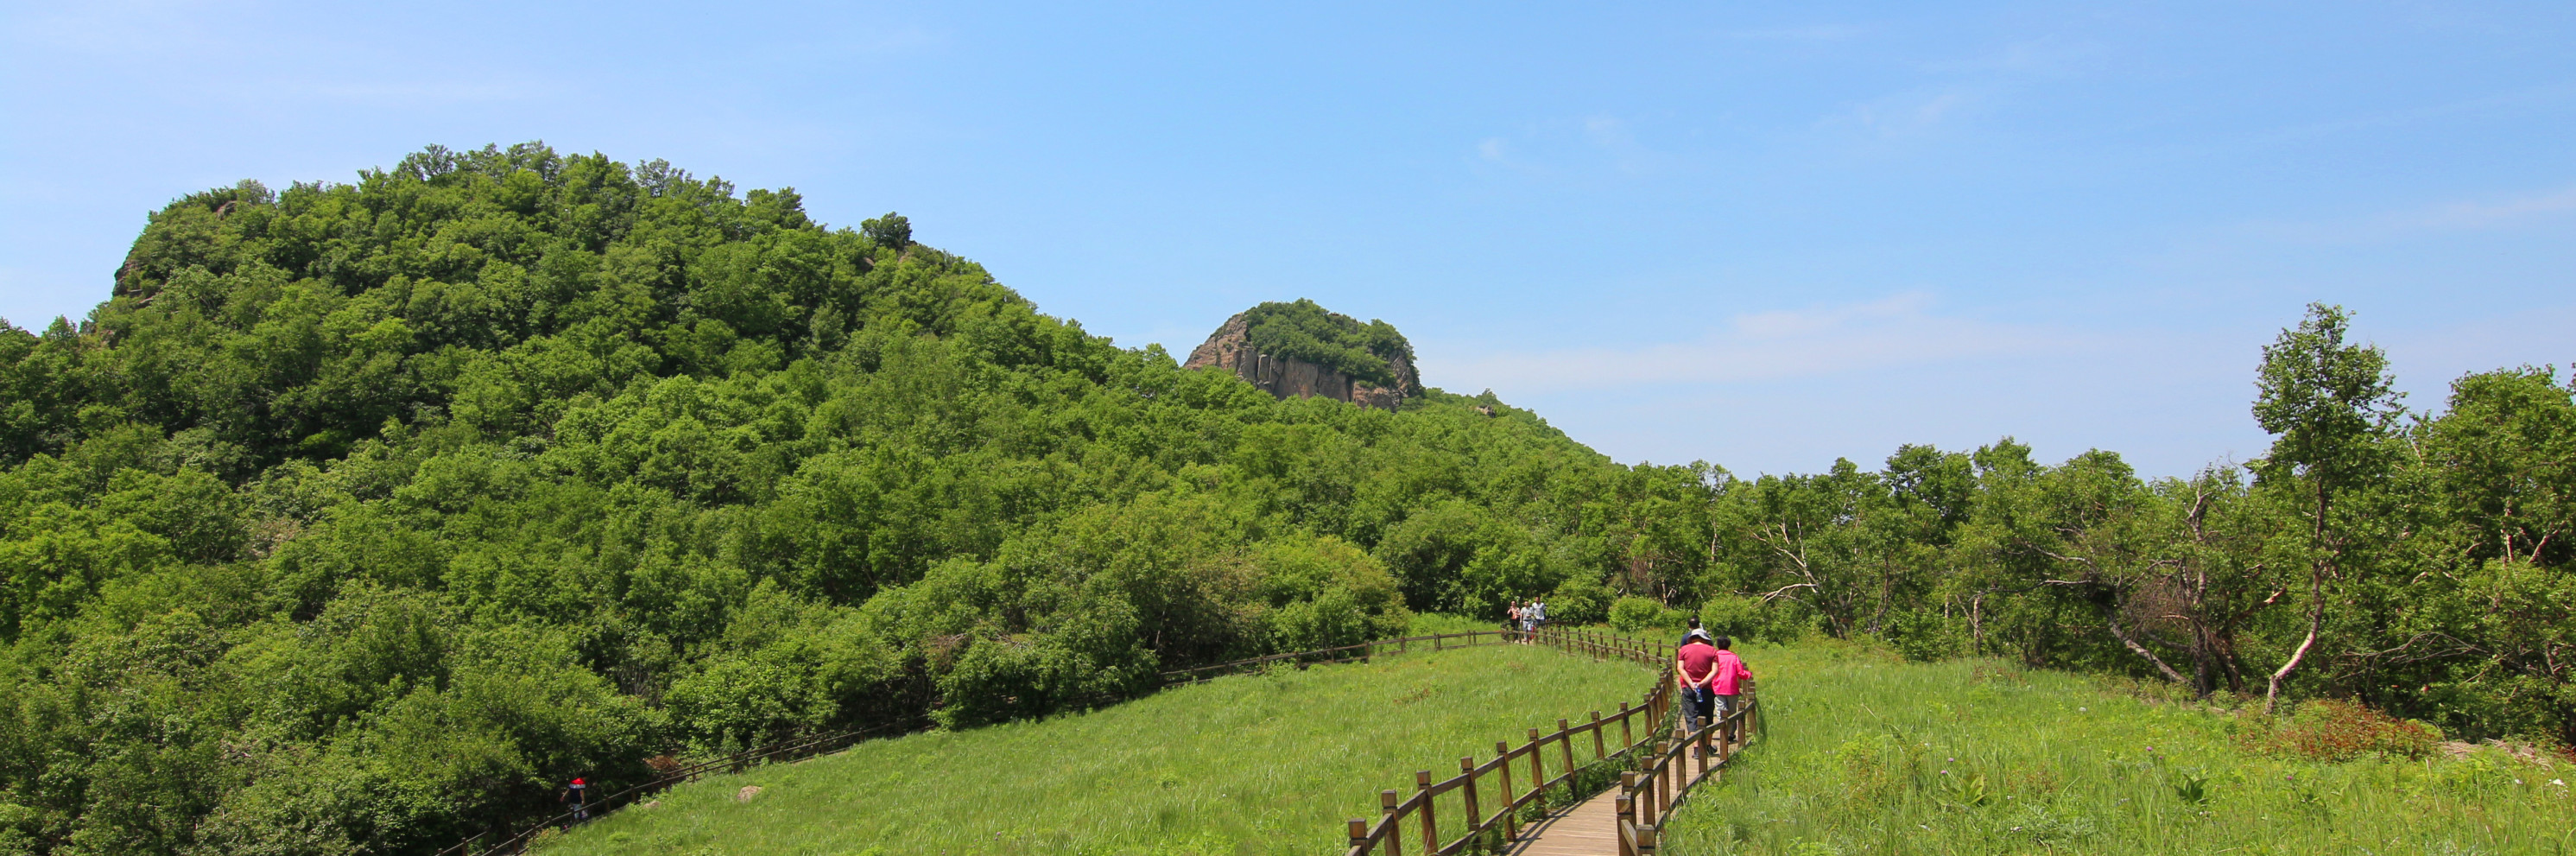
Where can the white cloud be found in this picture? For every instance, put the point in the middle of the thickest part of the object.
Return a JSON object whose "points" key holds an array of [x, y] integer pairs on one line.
{"points": [[127, 28], [1609, 133], [437, 91], [1905, 114], [2463, 215], [1900, 330], [1811, 33], [1570, 147], [2491, 214], [2045, 55]]}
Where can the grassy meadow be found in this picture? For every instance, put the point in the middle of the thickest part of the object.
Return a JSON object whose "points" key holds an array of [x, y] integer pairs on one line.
{"points": [[1267, 763], [1866, 754]]}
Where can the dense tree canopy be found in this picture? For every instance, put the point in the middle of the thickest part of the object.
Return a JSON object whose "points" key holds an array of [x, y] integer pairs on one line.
{"points": [[362, 514]]}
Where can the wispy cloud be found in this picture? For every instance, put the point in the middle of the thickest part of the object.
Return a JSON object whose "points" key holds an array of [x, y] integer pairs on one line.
{"points": [[438, 91], [126, 28], [1813, 33], [1894, 332], [2462, 215], [2040, 56], [2487, 214], [1573, 146], [1905, 114]]}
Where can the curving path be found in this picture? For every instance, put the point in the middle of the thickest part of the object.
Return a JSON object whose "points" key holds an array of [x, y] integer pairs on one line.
{"points": [[1589, 829]]}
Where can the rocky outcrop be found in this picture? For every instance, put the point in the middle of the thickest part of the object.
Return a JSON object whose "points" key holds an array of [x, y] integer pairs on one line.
{"points": [[1230, 348]]}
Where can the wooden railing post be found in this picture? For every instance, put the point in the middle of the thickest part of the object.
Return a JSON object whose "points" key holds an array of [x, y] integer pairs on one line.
{"points": [[1627, 814], [1627, 734], [1664, 778], [1646, 836], [1430, 826], [1598, 751], [1565, 744], [1752, 708], [1359, 833], [1503, 765], [1647, 807], [1394, 829], [1467, 791], [1702, 740], [1538, 768]]}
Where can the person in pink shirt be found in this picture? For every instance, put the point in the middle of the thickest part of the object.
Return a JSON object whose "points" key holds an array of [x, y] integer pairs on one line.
{"points": [[1725, 682]]}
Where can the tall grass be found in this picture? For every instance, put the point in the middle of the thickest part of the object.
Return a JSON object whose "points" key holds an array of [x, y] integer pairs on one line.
{"points": [[1268, 763], [1867, 754]]}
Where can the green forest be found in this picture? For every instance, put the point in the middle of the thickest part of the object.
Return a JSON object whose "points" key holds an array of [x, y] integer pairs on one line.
{"points": [[360, 515]]}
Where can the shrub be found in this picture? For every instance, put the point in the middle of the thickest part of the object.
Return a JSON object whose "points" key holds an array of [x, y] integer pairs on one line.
{"points": [[1631, 614], [1732, 615], [1923, 637], [2340, 730], [1580, 600]]}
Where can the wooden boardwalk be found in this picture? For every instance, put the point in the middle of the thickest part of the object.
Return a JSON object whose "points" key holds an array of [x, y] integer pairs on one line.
{"points": [[1589, 829], [1483, 797]]}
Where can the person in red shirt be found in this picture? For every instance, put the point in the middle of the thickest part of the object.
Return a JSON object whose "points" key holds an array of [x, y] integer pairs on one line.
{"points": [[1708, 676]]}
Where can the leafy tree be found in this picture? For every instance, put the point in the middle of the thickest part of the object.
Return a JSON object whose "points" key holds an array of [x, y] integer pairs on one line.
{"points": [[2330, 406]]}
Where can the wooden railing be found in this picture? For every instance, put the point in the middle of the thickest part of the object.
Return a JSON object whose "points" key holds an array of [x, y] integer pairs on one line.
{"points": [[1646, 759], [1648, 796]]}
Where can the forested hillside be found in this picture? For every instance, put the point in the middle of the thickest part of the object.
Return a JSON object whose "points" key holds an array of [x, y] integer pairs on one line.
{"points": [[363, 514]]}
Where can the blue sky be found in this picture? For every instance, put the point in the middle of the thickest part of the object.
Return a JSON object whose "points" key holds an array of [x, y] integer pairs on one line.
{"points": [[1756, 234]]}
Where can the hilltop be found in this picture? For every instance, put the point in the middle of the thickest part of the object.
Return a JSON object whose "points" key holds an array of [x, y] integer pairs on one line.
{"points": [[1299, 350]]}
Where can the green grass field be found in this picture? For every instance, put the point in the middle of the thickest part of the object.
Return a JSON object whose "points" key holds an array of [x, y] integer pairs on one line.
{"points": [[1869, 755], [1254, 764]]}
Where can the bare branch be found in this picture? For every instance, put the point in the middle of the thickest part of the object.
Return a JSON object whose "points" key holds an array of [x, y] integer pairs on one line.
{"points": [[1785, 590]]}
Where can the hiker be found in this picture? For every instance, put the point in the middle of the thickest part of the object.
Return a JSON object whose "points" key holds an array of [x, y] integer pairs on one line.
{"points": [[1512, 619], [1538, 619], [1710, 676], [1693, 631], [1703, 669], [1527, 614], [576, 794]]}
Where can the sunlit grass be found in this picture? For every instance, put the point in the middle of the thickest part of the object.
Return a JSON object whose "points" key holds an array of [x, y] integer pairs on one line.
{"points": [[1869, 755], [1252, 764]]}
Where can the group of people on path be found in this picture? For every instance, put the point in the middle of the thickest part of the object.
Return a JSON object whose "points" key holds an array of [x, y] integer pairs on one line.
{"points": [[1709, 674], [1528, 616], [1709, 677]]}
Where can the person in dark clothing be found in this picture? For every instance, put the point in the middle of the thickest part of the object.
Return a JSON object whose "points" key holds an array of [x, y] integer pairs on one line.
{"points": [[577, 795]]}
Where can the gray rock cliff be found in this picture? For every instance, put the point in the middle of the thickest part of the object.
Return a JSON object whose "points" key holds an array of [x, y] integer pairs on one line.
{"points": [[1230, 348]]}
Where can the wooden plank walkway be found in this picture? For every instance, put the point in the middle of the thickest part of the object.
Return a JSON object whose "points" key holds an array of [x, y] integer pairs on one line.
{"points": [[1590, 829]]}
